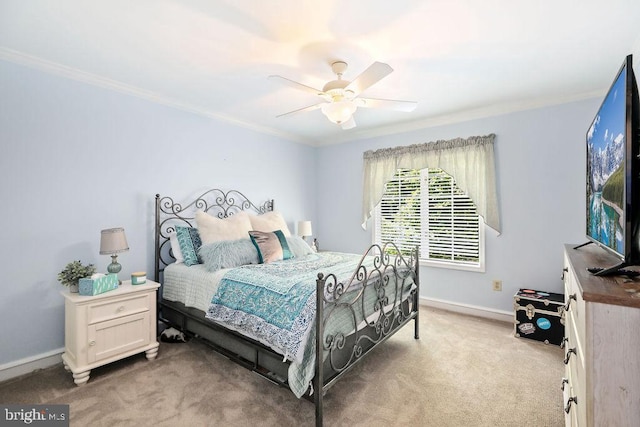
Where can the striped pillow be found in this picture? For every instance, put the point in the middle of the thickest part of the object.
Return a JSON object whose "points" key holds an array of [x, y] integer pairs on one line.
{"points": [[271, 246]]}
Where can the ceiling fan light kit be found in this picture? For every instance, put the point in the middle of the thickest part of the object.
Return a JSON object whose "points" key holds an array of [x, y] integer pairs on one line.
{"points": [[339, 111], [341, 96]]}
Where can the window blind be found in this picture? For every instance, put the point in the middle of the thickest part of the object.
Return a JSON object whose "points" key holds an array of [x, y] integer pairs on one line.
{"points": [[426, 208]]}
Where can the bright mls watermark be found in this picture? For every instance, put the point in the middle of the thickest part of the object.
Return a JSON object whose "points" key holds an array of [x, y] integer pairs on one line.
{"points": [[37, 415]]}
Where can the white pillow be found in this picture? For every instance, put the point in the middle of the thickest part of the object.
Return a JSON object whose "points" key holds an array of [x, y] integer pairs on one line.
{"points": [[268, 222], [175, 248], [212, 229]]}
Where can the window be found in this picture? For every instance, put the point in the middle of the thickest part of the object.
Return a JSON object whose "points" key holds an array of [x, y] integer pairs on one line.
{"points": [[426, 208]]}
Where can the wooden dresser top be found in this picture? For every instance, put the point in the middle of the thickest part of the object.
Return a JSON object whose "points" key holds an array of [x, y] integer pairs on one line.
{"points": [[616, 290]]}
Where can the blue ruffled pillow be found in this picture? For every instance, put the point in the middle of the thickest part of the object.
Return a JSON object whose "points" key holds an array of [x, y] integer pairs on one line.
{"points": [[189, 242], [298, 246], [228, 254]]}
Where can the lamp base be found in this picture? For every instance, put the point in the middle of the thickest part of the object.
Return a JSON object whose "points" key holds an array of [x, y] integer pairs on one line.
{"points": [[115, 267]]}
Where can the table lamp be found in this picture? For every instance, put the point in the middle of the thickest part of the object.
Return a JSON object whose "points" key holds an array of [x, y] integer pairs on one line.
{"points": [[304, 229], [112, 242]]}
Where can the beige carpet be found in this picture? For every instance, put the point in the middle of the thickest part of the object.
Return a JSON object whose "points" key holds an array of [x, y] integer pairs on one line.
{"points": [[464, 371]]}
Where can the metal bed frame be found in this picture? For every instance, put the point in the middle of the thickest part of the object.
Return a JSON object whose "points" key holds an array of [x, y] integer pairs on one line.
{"points": [[392, 309]]}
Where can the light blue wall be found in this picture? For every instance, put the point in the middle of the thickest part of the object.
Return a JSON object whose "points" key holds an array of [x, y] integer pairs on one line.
{"points": [[540, 176], [76, 159]]}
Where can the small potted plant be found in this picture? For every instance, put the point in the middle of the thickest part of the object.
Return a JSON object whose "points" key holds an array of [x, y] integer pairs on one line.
{"points": [[73, 272]]}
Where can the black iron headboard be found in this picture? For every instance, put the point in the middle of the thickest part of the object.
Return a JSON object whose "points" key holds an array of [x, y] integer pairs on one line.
{"points": [[215, 202]]}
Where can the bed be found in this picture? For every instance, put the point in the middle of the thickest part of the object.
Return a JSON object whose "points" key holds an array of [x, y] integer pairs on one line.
{"points": [[264, 299]]}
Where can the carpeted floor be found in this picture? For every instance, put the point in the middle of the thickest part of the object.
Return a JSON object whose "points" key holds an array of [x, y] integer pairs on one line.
{"points": [[464, 371]]}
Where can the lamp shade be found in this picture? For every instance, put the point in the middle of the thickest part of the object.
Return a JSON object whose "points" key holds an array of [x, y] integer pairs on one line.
{"points": [[304, 228], [113, 241], [339, 111]]}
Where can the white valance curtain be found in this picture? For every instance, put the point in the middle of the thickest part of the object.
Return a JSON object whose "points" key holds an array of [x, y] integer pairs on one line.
{"points": [[469, 161]]}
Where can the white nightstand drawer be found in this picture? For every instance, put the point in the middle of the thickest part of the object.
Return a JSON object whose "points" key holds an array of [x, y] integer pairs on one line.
{"points": [[117, 336], [99, 312]]}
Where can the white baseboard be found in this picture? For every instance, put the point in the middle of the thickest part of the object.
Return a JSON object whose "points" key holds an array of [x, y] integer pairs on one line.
{"points": [[30, 364], [473, 310]]}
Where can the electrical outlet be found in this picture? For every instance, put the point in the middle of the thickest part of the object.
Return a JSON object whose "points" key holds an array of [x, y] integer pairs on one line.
{"points": [[497, 285]]}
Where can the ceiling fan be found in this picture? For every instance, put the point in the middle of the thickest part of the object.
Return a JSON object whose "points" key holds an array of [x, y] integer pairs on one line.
{"points": [[342, 97]]}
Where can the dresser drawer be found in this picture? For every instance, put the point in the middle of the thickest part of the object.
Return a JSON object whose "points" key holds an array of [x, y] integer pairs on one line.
{"points": [[576, 374], [567, 274], [569, 406], [578, 316], [574, 305], [579, 393], [107, 310], [573, 359]]}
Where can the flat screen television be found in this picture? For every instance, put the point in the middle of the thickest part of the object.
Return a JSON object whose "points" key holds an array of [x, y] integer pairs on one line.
{"points": [[613, 173]]}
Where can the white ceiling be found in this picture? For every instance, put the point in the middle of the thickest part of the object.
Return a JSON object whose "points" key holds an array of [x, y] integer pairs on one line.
{"points": [[458, 59]]}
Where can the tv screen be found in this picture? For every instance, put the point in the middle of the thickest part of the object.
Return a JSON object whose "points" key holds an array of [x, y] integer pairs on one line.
{"points": [[612, 169]]}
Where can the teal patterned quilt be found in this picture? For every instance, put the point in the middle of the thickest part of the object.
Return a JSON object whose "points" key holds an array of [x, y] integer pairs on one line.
{"points": [[274, 303]]}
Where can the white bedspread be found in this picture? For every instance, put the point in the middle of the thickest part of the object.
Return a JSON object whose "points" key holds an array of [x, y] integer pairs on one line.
{"points": [[193, 286]]}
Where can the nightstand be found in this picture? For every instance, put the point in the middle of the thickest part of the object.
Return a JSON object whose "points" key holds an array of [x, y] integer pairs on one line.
{"points": [[107, 327]]}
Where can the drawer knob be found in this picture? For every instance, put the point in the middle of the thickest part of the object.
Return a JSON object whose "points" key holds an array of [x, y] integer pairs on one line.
{"points": [[569, 353], [571, 297], [573, 399], [121, 308], [564, 381], [564, 270], [92, 343]]}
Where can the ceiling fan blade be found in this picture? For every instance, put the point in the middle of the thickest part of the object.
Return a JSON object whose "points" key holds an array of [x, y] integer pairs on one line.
{"points": [[349, 124], [390, 104], [300, 110], [375, 72], [297, 85]]}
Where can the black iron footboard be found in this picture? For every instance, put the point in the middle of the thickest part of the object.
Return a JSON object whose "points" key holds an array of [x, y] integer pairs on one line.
{"points": [[394, 282]]}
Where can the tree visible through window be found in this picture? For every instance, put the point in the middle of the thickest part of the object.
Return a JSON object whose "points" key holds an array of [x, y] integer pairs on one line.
{"points": [[426, 208]]}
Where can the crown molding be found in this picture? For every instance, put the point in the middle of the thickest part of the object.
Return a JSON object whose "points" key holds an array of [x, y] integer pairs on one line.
{"points": [[75, 74], [466, 116]]}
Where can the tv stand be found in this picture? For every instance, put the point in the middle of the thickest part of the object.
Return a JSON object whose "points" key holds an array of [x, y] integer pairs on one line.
{"points": [[616, 270], [584, 244]]}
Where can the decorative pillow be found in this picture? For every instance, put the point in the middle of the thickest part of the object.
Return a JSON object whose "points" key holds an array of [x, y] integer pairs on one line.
{"points": [[269, 221], [189, 241], [271, 246], [214, 229], [175, 248], [228, 254], [298, 246]]}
